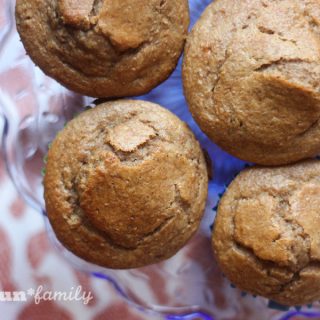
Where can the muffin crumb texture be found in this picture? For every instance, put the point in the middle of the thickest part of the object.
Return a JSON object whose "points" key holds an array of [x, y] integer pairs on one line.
{"points": [[251, 77], [125, 184], [266, 235]]}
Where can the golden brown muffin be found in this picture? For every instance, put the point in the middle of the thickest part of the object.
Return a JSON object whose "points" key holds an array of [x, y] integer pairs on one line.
{"points": [[266, 235], [125, 184], [107, 48], [251, 77]]}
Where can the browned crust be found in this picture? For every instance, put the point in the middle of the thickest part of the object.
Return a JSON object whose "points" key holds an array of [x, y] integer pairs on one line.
{"points": [[266, 234], [125, 184], [104, 48], [251, 77]]}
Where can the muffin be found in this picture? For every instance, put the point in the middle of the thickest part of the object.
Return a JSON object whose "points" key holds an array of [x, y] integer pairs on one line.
{"points": [[110, 48], [266, 235], [251, 78], [125, 184]]}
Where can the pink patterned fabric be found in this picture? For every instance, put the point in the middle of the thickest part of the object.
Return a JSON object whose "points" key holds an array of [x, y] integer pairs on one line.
{"points": [[27, 260]]}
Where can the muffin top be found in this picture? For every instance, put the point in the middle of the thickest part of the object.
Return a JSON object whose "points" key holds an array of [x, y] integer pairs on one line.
{"points": [[266, 234], [125, 184], [251, 77], [107, 48]]}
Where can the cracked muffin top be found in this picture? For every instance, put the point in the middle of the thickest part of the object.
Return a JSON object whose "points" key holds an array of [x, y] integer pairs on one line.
{"points": [[251, 78], [104, 48], [266, 235], [125, 184]]}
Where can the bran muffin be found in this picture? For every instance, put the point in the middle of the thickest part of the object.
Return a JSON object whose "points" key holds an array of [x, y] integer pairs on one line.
{"points": [[125, 184], [266, 235], [251, 77], [106, 48]]}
